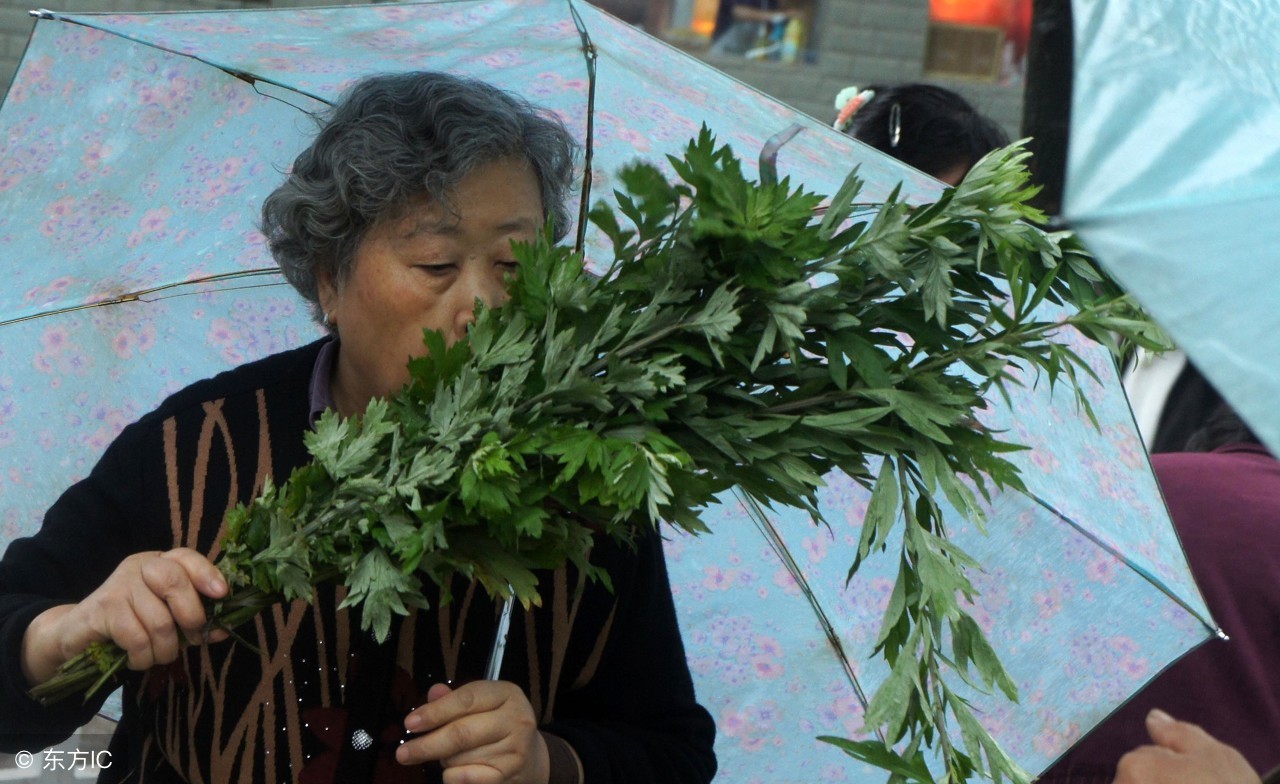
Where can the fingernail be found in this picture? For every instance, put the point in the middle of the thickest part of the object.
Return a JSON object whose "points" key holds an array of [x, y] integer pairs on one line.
{"points": [[217, 585], [413, 723], [1158, 716]]}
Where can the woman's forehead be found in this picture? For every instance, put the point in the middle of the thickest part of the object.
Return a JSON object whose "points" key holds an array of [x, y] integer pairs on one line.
{"points": [[499, 206]]}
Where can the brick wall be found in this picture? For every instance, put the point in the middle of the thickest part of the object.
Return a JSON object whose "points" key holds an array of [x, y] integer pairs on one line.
{"points": [[859, 42]]}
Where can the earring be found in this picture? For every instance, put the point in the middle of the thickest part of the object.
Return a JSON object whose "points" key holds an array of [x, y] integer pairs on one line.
{"points": [[895, 125], [324, 322]]}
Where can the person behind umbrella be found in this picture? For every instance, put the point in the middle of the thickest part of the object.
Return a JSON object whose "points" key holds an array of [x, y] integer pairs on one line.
{"points": [[1223, 494], [740, 24], [927, 127], [397, 218]]}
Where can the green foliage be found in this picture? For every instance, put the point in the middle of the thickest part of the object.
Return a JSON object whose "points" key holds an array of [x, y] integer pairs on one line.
{"points": [[737, 340]]}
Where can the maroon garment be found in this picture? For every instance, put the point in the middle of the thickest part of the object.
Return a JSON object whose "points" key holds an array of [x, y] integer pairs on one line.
{"points": [[1226, 507]]}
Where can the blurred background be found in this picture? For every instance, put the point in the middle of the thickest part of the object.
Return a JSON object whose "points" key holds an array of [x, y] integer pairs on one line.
{"points": [[800, 51]]}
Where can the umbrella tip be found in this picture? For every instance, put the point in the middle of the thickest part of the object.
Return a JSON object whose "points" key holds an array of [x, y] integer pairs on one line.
{"points": [[41, 13], [1222, 635]]}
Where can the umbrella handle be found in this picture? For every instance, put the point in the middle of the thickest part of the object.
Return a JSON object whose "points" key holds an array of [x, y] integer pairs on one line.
{"points": [[498, 653]]}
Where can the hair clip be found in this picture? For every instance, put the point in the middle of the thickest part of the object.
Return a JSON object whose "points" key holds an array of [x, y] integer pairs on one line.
{"points": [[895, 124], [849, 101]]}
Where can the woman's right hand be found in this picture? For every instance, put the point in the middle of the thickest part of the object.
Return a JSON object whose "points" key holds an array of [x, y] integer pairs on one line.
{"points": [[147, 606]]}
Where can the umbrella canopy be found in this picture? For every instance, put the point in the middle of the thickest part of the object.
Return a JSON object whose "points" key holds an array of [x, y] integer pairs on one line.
{"points": [[1173, 177], [137, 148]]}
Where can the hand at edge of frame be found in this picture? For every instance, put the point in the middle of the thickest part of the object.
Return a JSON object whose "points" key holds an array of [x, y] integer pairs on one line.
{"points": [[1183, 753]]}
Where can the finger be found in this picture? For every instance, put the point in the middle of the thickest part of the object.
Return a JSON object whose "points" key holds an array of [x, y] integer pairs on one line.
{"points": [[511, 759], [133, 639], [143, 628], [1143, 764], [446, 705], [437, 691], [453, 739], [169, 579], [156, 613], [208, 580], [473, 774], [1179, 736], [203, 574], [501, 755], [215, 635]]}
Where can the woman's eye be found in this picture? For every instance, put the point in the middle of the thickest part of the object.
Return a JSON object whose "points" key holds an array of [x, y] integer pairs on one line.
{"points": [[438, 270], [509, 266]]}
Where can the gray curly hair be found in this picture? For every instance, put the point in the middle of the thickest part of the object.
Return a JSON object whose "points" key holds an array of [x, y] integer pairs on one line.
{"points": [[393, 139]]}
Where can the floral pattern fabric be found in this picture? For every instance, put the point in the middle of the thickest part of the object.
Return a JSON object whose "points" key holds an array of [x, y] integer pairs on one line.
{"points": [[134, 158]]}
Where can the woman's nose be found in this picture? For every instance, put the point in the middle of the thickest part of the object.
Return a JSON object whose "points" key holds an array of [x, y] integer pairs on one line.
{"points": [[487, 286]]}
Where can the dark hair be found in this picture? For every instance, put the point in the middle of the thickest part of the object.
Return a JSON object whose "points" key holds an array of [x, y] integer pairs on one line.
{"points": [[1223, 426], [393, 139], [937, 130]]}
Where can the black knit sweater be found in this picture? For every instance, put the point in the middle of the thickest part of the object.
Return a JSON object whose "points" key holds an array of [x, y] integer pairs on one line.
{"points": [[605, 671]]}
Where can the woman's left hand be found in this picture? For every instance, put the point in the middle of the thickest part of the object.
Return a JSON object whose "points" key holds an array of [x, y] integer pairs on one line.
{"points": [[482, 733]]}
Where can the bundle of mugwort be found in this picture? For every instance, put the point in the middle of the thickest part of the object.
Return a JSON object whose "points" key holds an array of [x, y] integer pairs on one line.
{"points": [[743, 337]]}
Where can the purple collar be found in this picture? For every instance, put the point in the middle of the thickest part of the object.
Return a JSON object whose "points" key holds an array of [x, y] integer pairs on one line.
{"points": [[321, 389]]}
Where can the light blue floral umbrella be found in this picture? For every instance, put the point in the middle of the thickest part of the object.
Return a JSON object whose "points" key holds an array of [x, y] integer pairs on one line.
{"points": [[135, 150], [1173, 177]]}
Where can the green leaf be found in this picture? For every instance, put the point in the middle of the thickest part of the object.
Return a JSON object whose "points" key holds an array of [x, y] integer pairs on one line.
{"points": [[874, 752], [869, 363], [889, 706], [377, 587], [882, 511]]}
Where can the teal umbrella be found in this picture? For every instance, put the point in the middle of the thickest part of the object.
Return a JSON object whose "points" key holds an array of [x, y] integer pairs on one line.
{"points": [[135, 150], [1173, 177]]}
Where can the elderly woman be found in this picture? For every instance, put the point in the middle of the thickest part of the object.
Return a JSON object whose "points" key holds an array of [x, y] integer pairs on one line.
{"points": [[398, 218]]}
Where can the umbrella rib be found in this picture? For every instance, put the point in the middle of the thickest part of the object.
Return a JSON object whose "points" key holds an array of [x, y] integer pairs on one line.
{"points": [[141, 294], [590, 55], [1141, 571], [788, 561], [244, 76]]}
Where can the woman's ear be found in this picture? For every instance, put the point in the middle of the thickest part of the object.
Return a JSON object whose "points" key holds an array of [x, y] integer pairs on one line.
{"points": [[327, 294]]}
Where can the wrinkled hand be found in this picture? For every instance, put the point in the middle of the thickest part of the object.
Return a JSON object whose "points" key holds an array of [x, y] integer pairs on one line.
{"points": [[1183, 754], [482, 733], [149, 604]]}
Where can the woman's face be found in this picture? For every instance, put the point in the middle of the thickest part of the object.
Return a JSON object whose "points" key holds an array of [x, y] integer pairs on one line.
{"points": [[954, 175], [426, 270]]}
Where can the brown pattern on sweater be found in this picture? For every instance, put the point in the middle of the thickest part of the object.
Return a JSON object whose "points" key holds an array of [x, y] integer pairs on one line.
{"points": [[188, 699], [564, 613]]}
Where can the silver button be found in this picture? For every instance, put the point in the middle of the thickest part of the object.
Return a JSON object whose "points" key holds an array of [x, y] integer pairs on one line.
{"points": [[361, 740]]}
